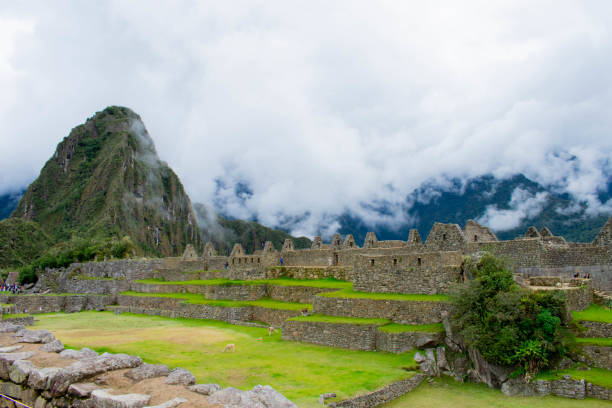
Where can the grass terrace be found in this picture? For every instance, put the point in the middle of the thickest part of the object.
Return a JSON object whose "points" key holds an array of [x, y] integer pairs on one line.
{"points": [[594, 313], [594, 341], [597, 376], [447, 393], [299, 371], [340, 320], [193, 298], [403, 328], [352, 294], [314, 283], [14, 315]]}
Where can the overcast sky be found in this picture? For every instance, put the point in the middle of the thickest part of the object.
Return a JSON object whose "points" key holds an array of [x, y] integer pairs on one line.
{"points": [[319, 107]]}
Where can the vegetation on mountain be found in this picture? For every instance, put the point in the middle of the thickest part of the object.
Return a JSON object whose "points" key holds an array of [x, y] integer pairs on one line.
{"points": [[509, 325], [106, 181], [21, 242], [76, 249]]}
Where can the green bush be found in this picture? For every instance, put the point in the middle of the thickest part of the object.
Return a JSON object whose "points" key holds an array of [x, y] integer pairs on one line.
{"points": [[509, 325], [76, 250]]}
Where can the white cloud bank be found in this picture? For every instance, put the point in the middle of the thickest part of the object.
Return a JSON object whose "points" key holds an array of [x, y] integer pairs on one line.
{"points": [[523, 205], [318, 106]]}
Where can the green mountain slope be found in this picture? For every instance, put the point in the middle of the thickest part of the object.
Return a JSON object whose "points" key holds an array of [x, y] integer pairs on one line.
{"points": [[21, 242], [105, 180]]}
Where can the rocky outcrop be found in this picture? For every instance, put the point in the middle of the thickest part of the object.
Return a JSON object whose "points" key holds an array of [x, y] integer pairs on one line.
{"points": [[259, 397]]}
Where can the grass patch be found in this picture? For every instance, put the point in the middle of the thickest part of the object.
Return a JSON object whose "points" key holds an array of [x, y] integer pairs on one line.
{"points": [[7, 304], [299, 371], [447, 393], [351, 294], [594, 313], [197, 299], [598, 376], [315, 283], [14, 316], [594, 341], [339, 320], [402, 328]]}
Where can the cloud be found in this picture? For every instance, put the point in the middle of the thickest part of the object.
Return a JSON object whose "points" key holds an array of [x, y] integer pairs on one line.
{"points": [[523, 205], [319, 108]]}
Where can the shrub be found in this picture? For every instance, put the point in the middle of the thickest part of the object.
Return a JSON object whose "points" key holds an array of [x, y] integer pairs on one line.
{"points": [[509, 325]]}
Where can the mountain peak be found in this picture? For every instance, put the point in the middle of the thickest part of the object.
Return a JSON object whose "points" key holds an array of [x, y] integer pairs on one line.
{"points": [[105, 179]]}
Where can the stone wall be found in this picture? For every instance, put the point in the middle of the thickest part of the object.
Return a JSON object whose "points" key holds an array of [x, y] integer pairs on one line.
{"points": [[596, 329], [299, 294], [598, 356], [426, 273], [401, 342], [169, 307], [50, 303], [382, 395], [94, 286], [349, 336], [344, 273], [402, 312], [601, 275], [273, 317], [579, 298]]}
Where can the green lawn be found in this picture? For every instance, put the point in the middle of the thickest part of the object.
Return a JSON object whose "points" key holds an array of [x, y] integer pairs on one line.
{"points": [[448, 393], [339, 320], [201, 300], [594, 341], [597, 376], [299, 371], [351, 294], [315, 283], [594, 313], [402, 328]]}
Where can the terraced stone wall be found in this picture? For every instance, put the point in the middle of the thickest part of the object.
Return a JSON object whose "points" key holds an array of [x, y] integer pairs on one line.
{"points": [[273, 317], [94, 286], [596, 329], [401, 342], [49, 303], [349, 336], [382, 395], [598, 356], [344, 273], [402, 312], [299, 294], [168, 307]]}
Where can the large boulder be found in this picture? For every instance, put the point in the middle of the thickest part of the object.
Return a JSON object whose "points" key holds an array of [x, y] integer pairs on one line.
{"points": [[258, 397], [36, 336], [8, 327], [40, 379], [169, 404], [103, 399], [180, 376], [491, 374], [81, 354], [86, 368], [20, 370], [55, 346], [7, 360], [146, 371], [205, 389]]}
